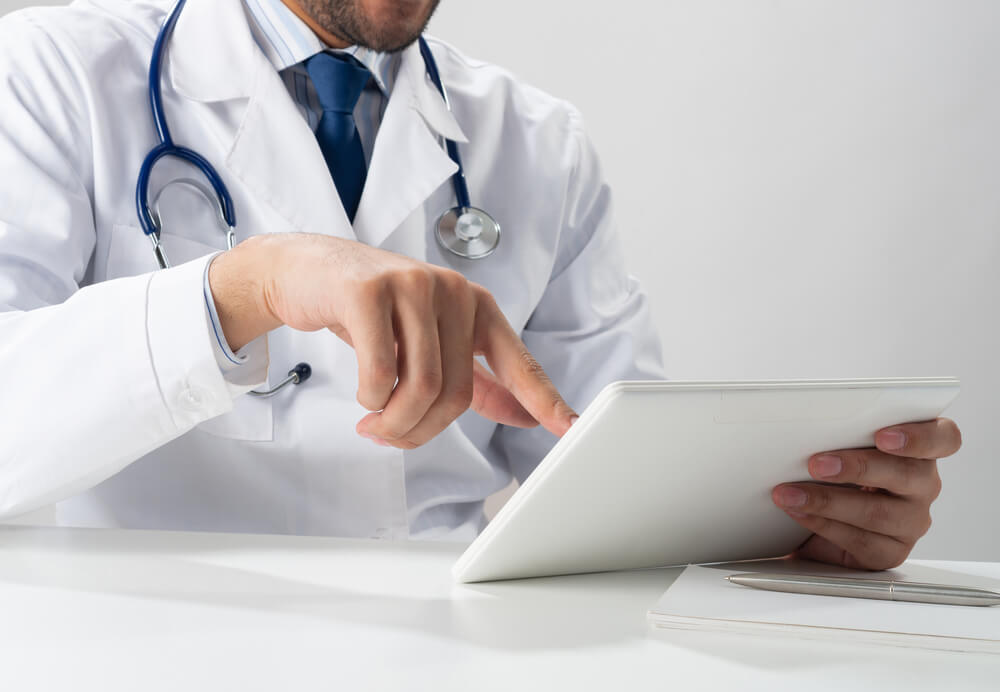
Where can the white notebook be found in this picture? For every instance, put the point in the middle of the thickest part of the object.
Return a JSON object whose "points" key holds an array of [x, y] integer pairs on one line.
{"points": [[701, 599]]}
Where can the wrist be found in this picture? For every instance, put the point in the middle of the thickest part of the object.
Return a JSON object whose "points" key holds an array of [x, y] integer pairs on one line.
{"points": [[237, 282]]}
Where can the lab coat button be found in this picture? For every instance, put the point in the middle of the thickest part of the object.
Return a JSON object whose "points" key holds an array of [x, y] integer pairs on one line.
{"points": [[193, 399]]}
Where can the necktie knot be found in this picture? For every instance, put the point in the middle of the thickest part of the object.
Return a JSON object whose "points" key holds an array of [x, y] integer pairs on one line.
{"points": [[339, 80]]}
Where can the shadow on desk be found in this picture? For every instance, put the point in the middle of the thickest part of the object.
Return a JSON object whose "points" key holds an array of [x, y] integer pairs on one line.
{"points": [[401, 587], [391, 585]]}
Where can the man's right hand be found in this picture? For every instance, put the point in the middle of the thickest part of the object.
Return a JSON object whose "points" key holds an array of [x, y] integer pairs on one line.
{"points": [[415, 327]]}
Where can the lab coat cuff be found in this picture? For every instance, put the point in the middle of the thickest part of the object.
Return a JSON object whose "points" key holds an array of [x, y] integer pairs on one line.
{"points": [[242, 369], [180, 347]]}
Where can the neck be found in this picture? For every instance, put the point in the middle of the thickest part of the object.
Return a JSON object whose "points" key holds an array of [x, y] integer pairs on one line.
{"points": [[323, 35]]}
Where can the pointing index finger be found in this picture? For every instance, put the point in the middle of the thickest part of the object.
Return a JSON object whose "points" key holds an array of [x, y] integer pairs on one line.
{"points": [[518, 370]]}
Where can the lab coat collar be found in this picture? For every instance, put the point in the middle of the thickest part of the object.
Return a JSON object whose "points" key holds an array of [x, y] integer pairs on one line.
{"points": [[212, 55], [426, 99]]}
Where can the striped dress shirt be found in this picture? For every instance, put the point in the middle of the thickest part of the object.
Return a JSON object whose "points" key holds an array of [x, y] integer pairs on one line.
{"points": [[288, 42]]}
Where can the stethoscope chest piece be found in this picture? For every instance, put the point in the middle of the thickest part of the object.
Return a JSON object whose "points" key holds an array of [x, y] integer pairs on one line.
{"points": [[468, 232]]}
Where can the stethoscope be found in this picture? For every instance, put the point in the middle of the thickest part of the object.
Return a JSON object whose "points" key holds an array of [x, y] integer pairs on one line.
{"points": [[463, 230]]}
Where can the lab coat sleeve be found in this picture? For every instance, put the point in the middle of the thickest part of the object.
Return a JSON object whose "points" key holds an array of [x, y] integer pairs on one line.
{"points": [[592, 325], [242, 369], [94, 376]]}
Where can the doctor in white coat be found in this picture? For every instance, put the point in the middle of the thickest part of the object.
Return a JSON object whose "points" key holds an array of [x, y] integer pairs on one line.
{"points": [[125, 388]]}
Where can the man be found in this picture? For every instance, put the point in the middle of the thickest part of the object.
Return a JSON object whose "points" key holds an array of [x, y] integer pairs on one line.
{"points": [[127, 397]]}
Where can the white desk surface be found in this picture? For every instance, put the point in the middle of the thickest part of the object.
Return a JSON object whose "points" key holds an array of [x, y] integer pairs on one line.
{"points": [[136, 610]]}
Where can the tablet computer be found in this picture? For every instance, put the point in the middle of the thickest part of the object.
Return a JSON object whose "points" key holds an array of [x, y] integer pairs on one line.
{"points": [[672, 473]]}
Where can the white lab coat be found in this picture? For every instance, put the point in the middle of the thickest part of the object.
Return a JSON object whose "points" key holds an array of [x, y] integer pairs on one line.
{"points": [[113, 407]]}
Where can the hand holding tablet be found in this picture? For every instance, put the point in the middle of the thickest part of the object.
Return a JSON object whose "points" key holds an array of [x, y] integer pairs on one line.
{"points": [[874, 520]]}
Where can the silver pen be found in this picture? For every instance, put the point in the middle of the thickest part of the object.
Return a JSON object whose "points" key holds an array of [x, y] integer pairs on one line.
{"points": [[880, 589]]}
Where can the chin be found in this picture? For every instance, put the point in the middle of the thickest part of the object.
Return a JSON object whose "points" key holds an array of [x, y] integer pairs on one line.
{"points": [[395, 24]]}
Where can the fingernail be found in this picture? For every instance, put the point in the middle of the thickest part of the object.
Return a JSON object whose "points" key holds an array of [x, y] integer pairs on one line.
{"points": [[890, 439], [828, 465], [573, 419], [791, 497]]}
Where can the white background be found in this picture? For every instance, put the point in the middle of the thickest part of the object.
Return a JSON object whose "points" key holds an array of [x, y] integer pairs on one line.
{"points": [[807, 188]]}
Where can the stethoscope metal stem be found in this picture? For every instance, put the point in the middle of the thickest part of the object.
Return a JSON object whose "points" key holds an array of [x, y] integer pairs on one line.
{"points": [[297, 375], [158, 251]]}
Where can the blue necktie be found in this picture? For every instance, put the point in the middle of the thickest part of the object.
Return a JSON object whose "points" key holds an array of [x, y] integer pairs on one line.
{"points": [[339, 80]]}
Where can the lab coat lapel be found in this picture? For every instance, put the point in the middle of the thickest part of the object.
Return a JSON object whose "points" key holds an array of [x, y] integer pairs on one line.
{"points": [[408, 162], [272, 151]]}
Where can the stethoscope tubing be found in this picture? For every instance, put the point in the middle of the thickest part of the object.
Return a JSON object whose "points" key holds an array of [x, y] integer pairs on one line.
{"points": [[156, 72], [166, 147]]}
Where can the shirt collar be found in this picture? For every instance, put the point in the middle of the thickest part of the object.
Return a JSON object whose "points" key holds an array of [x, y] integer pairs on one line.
{"points": [[288, 41]]}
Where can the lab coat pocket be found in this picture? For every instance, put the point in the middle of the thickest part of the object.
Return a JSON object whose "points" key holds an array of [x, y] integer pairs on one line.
{"points": [[251, 420], [131, 253]]}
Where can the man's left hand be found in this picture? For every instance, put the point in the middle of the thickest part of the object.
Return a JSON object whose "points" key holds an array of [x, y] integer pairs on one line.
{"points": [[881, 505]]}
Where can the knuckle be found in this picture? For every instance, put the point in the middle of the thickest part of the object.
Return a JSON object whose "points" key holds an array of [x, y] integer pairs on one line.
{"points": [[862, 467], [417, 281], [925, 526], [957, 434], [822, 525], [371, 289], [460, 398], [454, 295], [452, 283], [916, 440], [908, 473], [484, 297], [935, 484], [383, 372], [819, 499], [895, 556], [452, 404], [919, 477], [860, 542], [427, 384], [877, 513], [885, 561], [951, 436]]}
